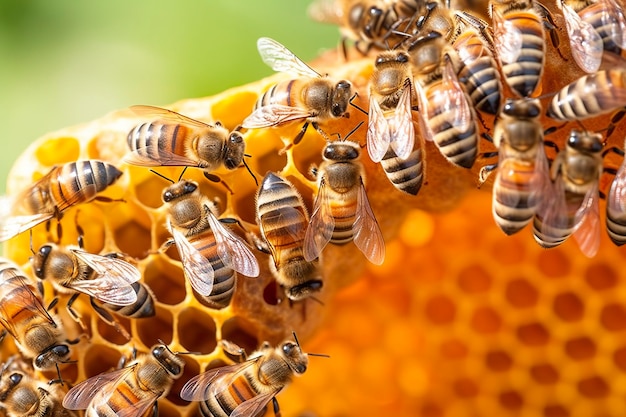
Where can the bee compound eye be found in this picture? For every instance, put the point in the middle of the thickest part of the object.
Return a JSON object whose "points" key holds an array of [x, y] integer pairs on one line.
{"points": [[15, 378]]}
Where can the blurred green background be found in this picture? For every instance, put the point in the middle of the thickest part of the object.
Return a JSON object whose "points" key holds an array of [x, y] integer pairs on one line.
{"points": [[64, 62]]}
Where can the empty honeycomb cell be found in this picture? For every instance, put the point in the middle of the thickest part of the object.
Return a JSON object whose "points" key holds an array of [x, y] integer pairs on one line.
{"points": [[133, 238], [101, 358], [533, 334], [613, 317], [245, 206], [430, 409], [521, 293], [486, 320], [619, 358], [232, 108], [159, 327], [114, 334], [555, 410], [440, 309], [453, 349], [58, 151], [508, 251], [498, 361], [466, 388], [544, 373], [240, 332], [474, 279], [568, 307], [593, 387], [511, 400], [146, 189], [580, 348], [202, 338], [272, 293], [554, 263], [165, 279], [601, 276]]}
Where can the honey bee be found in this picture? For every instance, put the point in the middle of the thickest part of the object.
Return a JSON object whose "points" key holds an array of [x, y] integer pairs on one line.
{"points": [[37, 332], [210, 252], [407, 174], [446, 114], [520, 44], [616, 204], [244, 389], [523, 171], [478, 70], [62, 187], [310, 97], [594, 26], [571, 205], [109, 280], [283, 220], [24, 395], [129, 391], [172, 139], [390, 121], [341, 211], [590, 95]]}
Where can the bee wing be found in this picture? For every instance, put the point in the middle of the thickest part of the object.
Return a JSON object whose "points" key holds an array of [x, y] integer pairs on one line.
{"points": [[422, 101], [378, 132], [27, 299], [273, 115], [254, 405], [586, 44], [614, 19], [553, 207], [139, 408], [401, 125], [232, 250], [162, 157], [455, 100], [112, 283], [616, 199], [281, 59], [321, 224], [507, 37], [367, 235], [97, 387], [11, 226], [198, 269], [587, 223], [159, 113], [201, 387]]}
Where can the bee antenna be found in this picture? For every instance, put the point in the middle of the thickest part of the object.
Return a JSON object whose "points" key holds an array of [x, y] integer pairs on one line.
{"points": [[310, 354], [249, 170], [182, 173], [353, 130], [162, 176], [295, 338], [354, 105], [177, 353], [31, 242]]}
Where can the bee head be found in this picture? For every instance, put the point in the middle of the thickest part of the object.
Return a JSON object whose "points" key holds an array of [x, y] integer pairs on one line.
{"points": [[178, 190], [235, 148], [341, 98]]}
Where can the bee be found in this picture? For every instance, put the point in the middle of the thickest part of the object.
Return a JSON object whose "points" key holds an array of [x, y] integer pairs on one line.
{"points": [[520, 44], [590, 95], [341, 211], [64, 186], [129, 391], [310, 97], [244, 389], [172, 139], [616, 204], [110, 282], [478, 70], [38, 333], [523, 171], [210, 252], [594, 27], [446, 114], [571, 205], [370, 23], [283, 220], [24, 395], [407, 174], [390, 121]]}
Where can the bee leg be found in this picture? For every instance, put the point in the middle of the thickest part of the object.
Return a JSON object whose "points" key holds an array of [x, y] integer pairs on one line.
{"points": [[485, 172], [73, 313], [3, 334], [155, 409], [319, 130], [551, 27], [615, 119], [215, 178], [276, 407], [109, 319]]}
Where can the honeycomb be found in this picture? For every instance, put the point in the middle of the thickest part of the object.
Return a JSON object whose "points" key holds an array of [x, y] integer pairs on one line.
{"points": [[460, 320]]}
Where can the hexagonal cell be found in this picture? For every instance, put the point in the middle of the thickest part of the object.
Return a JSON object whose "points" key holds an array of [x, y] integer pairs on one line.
{"points": [[601, 276], [521, 293], [613, 317], [453, 349], [511, 400], [544, 373], [485, 320], [580, 348], [133, 235], [498, 361], [508, 251], [474, 279], [594, 387], [192, 368], [619, 358], [440, 309], [115, 333], [554, 263], [555, 410], [56, 151], [159, 327], [100, 358], [196, 331], [240, 332], [533, 334], [166, 280], [568, 306], [466, 388]]}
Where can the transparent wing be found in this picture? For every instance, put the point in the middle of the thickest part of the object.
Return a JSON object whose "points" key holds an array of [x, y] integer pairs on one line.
{"points": [[273, 115], [586, 44], [253, 406], [281, 59], [422, 101], [12, 226], [100, 386], [162, 157], [507, 38], [614, 19], [201, 387], [587, 223], [367, 235], [378, 132], [616, 199], [198, 269], [455, 101], [232, 250], [113, 279], [553, 208], [321, 224], [401, 125], [139, 408], [14, 290], [159, 113]]}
